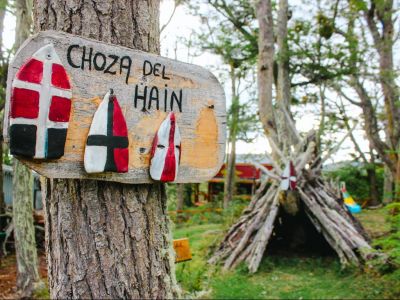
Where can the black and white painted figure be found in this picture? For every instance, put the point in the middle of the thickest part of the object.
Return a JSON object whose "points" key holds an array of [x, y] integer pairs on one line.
{"points": [[40, 106], [107, 143]]}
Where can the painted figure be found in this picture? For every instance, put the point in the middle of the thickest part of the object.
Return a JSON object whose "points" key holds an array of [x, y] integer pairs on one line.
{"points": [[40, 106], [351, 205], [288, 177], [166, 151], [107, 143]]}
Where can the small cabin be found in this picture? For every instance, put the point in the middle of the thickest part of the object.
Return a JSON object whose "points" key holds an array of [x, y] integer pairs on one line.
{"points": [[247, 179], [8, 187]]}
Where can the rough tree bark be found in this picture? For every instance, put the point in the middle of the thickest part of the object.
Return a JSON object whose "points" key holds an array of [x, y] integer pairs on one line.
{"points": [[380, 22], [24, 230], [265, 76], [233, 128], [107, 240], [387, 186], [373, 181], [2, 100], [283, 94]]}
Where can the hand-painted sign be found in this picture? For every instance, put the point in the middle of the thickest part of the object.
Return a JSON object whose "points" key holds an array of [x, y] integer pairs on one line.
{"points": [[40, 106], [66, 92], [182, 250], [107, 143], [166, 151]]}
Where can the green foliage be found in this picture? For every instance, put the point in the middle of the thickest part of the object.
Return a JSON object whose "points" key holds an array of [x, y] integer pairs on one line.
{"points": [[391, 243], [171, 196], [356, 180], [211, 213], [279, 277], [326, 26]]}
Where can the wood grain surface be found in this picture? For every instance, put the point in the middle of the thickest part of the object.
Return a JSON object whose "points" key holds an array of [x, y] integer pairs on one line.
{"points": [[192, 92]]}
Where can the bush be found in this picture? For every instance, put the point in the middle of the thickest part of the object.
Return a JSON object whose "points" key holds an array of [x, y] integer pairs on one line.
{"points": [[390, 244], [356, 180]]}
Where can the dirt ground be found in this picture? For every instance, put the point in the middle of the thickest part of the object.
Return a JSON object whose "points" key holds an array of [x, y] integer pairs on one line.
{"points": [[8, 275]]}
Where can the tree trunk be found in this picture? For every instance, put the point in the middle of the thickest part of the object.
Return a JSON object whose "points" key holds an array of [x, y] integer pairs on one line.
{"points": [[180, 196], [387, 186], [230, 174], [283, 95], [2, 201], [24, 229], [373, 183], [107, 240], [231, 161], [265, 75], [380, 22]]}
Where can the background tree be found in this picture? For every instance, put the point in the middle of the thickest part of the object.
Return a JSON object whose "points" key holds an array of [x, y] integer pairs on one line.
{"points": [[3, 72], [24, 230], [218, 36], [368, 31], [247, 239], [107, 239]]}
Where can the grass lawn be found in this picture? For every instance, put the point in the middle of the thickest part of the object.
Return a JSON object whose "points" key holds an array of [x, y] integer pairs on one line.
{"points": [[279, 277]]}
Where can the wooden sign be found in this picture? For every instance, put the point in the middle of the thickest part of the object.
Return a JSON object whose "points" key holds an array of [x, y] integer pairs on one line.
{"points": [[182, 250], [62, 121]]}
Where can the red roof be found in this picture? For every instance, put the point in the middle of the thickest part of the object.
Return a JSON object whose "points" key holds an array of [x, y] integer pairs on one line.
{"points": [[244, 171]]}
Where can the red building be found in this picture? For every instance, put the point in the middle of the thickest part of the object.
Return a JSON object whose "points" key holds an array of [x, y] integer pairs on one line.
{"points": [[247, 179]]}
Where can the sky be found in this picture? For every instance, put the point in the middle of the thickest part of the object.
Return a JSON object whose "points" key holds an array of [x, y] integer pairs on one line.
{"points": [[181, 26]]}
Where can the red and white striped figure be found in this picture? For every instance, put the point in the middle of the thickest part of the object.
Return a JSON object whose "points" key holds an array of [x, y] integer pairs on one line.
{"points": [[40, 106], [107, 144], [166, 151], [289, 180]]}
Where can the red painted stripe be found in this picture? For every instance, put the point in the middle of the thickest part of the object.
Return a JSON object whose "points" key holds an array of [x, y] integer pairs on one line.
{"points": [[32, 71], [24, 103], [119, 123], [154, 146], [292, 173], [60, 109], [59, 77], [121, 155], [168, 173], [121, 159]]}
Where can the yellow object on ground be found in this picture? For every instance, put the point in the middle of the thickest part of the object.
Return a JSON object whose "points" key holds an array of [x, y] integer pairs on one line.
{"points": [[182, 250]]}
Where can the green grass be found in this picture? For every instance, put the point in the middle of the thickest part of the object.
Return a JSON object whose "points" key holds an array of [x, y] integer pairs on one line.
{"points": [[374, 221], [279, 277]]}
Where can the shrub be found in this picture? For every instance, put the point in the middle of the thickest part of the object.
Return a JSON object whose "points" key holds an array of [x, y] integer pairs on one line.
{"points": [[356, 180]]}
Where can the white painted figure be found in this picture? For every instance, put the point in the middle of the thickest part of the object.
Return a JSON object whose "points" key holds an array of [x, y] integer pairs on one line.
{"points": [[107, 143], [289, 180], [166, 151], [40, 106]]}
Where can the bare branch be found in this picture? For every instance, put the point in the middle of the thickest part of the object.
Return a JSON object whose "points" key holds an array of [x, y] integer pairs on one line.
{"points": [[170, 17], [336, 148], [266, 171]]}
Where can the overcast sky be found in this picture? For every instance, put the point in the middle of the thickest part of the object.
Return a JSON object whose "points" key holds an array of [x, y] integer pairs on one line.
{"points": [[180, 26]]}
